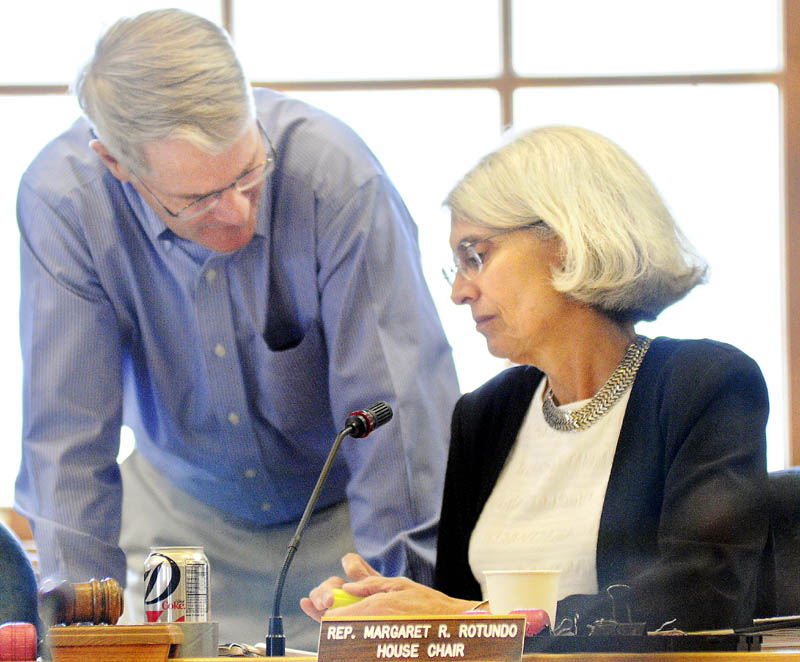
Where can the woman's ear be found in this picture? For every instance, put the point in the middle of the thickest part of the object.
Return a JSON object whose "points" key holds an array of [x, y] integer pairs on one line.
{"points": [[117, 169], [559, 254]]}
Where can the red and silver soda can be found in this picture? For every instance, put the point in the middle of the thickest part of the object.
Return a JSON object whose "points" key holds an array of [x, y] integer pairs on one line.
{"points": [[176, 585]]}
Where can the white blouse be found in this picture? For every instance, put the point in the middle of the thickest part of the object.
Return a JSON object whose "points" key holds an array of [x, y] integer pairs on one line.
{"points": [[544, 511]]}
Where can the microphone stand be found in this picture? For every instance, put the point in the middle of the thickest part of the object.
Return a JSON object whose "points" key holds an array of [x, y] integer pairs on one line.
{"points": [[359, 424], [276, 641]]}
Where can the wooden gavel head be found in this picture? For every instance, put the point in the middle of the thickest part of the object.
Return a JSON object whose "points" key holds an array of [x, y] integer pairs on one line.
{"points": [[91, 602]]}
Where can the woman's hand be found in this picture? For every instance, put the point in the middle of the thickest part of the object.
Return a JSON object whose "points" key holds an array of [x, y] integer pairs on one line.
{"points": [[383, 596], [321, 598]]}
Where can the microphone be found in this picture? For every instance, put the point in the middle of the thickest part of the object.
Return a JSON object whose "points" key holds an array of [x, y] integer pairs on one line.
{"points": [[359, 424], [364, 421]]}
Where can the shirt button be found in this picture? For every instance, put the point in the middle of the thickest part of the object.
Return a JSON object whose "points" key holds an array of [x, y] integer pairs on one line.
{"points": [[251, 473], [219, 350], [233, 418], [211, 274], [266, 506]]}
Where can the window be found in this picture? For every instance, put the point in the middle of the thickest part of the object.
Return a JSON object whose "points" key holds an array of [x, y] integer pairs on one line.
{"points": [[700, 92]]}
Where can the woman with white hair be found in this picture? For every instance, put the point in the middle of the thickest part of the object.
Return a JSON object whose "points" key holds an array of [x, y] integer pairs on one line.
{"points": [[610, 456]]}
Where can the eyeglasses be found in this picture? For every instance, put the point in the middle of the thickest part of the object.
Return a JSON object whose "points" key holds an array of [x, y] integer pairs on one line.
{"points": [[468, 260], [246, 182]]}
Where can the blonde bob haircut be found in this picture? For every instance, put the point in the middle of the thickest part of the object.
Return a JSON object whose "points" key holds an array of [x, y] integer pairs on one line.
{"points": [[623, 254], [164, 74]]}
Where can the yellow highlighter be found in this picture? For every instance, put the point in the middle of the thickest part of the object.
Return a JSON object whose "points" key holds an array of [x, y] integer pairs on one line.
{"points": [[342, 598]]}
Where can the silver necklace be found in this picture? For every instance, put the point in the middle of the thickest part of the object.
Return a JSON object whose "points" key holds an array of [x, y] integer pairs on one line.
{"points": [[604, 399]]}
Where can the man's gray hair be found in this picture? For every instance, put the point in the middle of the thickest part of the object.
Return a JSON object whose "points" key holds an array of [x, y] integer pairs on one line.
{"points": [[623, 253], [164, 74]]}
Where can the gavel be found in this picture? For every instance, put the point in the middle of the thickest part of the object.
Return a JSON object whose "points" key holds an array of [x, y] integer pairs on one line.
{"points": [[90, 602]]}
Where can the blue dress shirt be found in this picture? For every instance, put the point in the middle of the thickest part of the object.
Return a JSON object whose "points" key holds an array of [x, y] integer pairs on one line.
{"points": [[234, 370]]}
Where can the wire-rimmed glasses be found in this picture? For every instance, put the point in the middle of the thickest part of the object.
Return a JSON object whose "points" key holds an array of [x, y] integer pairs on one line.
{"points": [[245, 182], [468, 260]]}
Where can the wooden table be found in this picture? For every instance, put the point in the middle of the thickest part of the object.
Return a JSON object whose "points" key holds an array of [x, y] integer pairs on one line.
{"points": [[715, 656]]}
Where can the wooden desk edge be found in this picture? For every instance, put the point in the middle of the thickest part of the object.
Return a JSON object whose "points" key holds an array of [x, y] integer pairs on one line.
{"points": [[792, 655], [675, 656]]}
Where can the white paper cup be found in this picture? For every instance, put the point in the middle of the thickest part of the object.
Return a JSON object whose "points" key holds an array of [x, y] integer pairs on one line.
{"points": [[522, 589]]}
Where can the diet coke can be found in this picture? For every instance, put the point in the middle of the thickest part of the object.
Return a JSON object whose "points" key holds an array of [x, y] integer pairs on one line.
{"points": [[176, 585]]}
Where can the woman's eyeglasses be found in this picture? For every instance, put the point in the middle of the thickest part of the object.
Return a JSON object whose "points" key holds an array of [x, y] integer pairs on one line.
{"points": [[468, 260]]}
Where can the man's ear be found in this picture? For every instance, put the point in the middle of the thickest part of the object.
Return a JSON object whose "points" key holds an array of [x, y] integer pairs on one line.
{"points": [[117, 169]]}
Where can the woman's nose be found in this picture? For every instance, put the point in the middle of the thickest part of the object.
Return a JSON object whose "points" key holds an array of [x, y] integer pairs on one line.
{"points": [[463, 290]]}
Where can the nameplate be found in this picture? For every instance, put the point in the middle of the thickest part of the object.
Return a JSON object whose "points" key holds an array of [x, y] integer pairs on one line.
{"points": [[468, 637]]}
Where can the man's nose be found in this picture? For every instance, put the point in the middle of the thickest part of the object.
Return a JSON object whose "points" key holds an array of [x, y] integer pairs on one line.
{"points": [[234, 207]]}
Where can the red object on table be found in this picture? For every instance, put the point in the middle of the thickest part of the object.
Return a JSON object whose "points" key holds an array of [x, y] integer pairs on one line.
{"points": [[536, 620], [17, 641]]}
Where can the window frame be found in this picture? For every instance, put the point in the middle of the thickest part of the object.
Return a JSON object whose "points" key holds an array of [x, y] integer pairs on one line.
{"points": [[786, 79]]}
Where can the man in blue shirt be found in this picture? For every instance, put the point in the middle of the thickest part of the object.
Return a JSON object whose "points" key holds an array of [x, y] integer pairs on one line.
{"points": [[230, 274]]}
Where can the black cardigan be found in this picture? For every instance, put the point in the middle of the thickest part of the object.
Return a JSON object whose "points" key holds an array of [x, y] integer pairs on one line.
{"points": [[684, 520]]}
